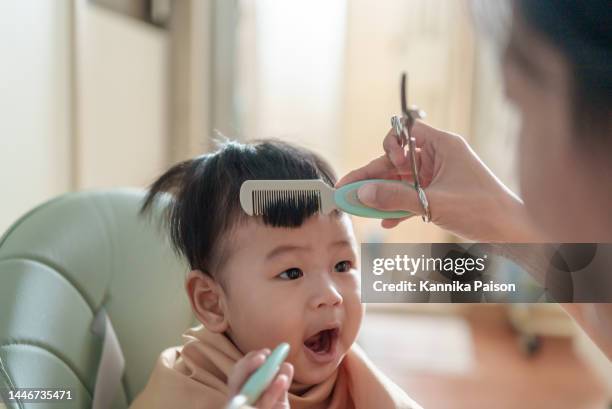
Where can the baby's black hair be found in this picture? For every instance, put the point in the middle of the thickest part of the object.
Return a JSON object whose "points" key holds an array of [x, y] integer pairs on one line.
{"points": [[204, 191]]}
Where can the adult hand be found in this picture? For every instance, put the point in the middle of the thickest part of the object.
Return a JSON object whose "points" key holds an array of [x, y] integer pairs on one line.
{"points": [[464, 196], [275, 396]]}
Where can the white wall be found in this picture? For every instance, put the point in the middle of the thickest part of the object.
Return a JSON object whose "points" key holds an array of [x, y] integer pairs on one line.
{"points": [[122, 99], [290, 71], [114, 132], [34, 104]]}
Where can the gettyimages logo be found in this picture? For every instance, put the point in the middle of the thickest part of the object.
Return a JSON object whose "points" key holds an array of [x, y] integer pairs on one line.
{"points": [[456, 262]]}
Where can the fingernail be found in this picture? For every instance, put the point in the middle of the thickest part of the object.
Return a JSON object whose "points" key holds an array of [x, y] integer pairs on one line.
{"points": [[284, 380], [367, 194], [260, 357]]}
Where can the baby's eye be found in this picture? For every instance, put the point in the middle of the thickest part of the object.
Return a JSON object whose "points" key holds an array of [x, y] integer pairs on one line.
{"points": [[343, 266], [291, 274]]}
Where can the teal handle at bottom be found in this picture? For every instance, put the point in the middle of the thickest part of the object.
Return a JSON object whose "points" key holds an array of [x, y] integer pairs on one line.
{"points": [[263, 376], [346, 199]]}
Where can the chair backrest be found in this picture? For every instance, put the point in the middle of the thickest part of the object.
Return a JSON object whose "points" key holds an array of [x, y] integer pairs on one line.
{"points": [[58, 265]]}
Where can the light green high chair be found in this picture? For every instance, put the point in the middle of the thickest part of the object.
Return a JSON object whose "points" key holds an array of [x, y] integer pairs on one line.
{"points": [[75, 258]]}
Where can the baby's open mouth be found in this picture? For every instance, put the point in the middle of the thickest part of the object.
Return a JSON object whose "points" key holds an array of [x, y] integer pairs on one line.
{"points": [[323, 342]]}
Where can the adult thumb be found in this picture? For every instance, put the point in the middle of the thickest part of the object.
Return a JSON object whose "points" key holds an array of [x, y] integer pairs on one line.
{"points": [[390, 196]]}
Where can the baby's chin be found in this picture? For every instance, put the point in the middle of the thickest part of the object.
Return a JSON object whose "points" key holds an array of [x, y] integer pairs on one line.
{"points": [[308, 374]]}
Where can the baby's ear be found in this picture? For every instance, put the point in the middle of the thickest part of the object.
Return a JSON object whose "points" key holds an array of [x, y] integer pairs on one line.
{"points": [[207, 300]]}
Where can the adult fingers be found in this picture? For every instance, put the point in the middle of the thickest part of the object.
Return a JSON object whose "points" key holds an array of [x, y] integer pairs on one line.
{"points": [[396, 153], [387, 196], [391, 223], [380, 167], [424, 134]]}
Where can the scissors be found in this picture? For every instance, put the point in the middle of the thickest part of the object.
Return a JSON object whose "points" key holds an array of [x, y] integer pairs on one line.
{"points": [[402, 126]]}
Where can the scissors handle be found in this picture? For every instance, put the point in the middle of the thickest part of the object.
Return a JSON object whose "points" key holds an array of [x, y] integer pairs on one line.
{"points": [[398, 127]]}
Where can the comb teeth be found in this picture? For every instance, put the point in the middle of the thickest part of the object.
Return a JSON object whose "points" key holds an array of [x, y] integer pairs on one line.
{"points": [[263, 200], [257, 197]]}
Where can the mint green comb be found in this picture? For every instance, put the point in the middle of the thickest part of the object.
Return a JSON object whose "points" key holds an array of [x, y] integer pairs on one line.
{"points": [[261, 378], [257, 195]]}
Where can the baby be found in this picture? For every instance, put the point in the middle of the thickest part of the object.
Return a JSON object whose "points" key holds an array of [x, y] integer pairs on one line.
{"points": [[289, 276]]}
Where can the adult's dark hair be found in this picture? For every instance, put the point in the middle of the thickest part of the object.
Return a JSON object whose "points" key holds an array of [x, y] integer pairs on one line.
{"points": [[205, 206], [582, 31]]}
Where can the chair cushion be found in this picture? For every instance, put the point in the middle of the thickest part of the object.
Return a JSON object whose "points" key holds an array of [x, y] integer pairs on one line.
{"points": [[65, 259]]}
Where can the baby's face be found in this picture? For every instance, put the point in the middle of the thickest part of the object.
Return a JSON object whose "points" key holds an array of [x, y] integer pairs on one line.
{"points": [[296, 285]]}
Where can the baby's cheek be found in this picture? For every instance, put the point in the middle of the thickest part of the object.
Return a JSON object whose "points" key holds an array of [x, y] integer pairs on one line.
{"points": [[354, 315], [268, 327], [282, 323]]}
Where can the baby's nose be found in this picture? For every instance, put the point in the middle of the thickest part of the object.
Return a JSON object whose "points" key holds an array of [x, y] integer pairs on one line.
{"points": [[326, 293]]}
